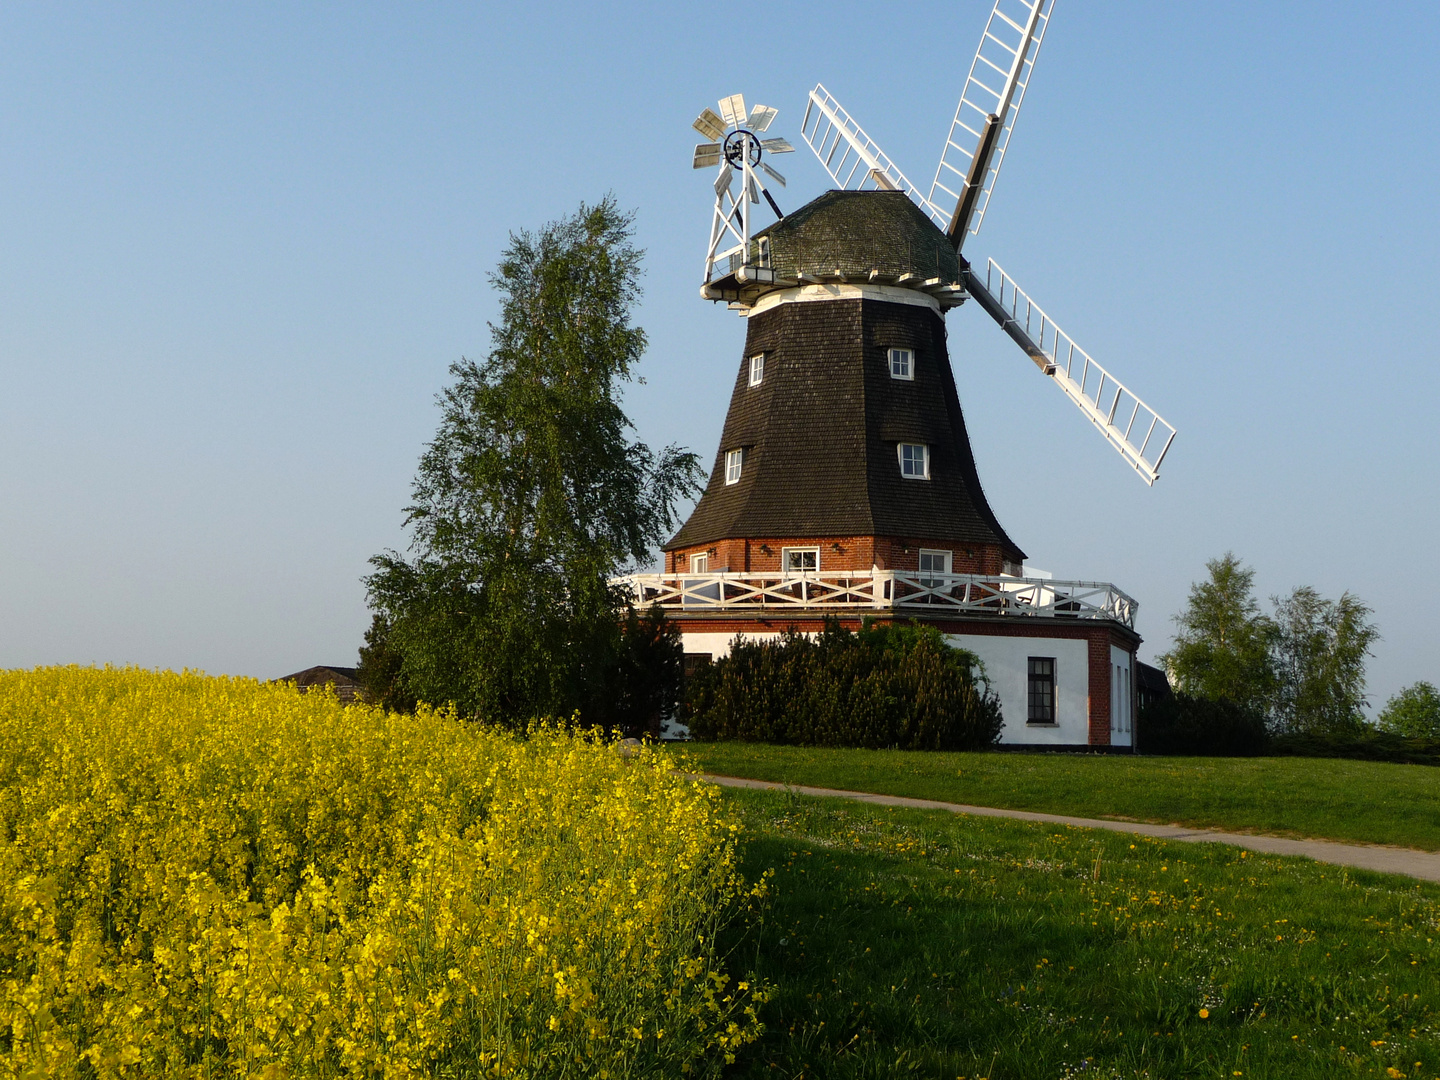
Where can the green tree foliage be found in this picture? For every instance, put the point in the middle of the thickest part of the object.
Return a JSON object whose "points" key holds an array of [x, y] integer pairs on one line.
{"points": [[1319, 653], [1415, 711], [1302, 668], [1222, 651], [887, 686], [533, 494], [379, 668]]}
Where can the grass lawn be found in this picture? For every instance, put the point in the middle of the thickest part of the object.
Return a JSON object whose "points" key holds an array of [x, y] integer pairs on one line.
{"points": [[1365, 801], [916, 943]]}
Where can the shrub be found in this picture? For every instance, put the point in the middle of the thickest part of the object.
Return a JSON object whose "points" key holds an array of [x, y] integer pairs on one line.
{"points": [[1366, 745], [1414, 711], [217, 877], [1181, 724], [887, 686]]}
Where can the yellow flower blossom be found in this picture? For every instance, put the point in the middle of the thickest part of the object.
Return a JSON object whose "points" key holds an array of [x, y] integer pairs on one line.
{"points": [[207, 877]]}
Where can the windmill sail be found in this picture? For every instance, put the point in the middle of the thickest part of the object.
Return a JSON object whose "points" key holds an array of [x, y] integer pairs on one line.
{"points": [[975, 148], [1138, 432], [851, 157]]}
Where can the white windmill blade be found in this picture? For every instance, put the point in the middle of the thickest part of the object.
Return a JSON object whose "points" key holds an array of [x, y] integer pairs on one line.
{"points": [[776, 146], [772, 174], [1138, 432], [761, 117], [722, 182], [706, 154], [975, 148], [851, 157], [732, 109], [710, 125]]}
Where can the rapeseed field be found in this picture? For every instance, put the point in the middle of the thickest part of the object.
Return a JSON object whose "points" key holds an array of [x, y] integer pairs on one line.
{"points": [[204, 877]]}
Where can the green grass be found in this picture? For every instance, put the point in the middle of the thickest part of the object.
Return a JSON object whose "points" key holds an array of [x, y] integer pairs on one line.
{"points": [[916, 943], [1363, 801]]}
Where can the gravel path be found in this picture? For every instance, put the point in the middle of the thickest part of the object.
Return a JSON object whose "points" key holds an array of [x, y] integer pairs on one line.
{"points": [[1388, 860]]}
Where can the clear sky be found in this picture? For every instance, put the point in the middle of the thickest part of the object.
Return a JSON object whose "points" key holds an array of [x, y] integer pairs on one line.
{"points": [[240, 245]]}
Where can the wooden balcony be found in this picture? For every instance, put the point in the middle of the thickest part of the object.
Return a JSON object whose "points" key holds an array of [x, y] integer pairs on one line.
{"points": [[891, 591]]}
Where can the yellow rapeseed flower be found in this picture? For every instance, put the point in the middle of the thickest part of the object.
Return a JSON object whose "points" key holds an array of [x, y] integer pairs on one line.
{"points": [[217, 876]]}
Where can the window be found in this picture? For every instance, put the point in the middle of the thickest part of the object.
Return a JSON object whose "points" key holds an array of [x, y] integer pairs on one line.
{"points": [[800, 560], [902, 364], [699, 564], [733, 460], [932, 563], [914, 461], [757, 369], [764, 251], [1042, 690]]}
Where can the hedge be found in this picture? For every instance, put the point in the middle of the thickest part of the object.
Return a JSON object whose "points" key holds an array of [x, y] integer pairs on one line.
{"points": [[885, 686]]}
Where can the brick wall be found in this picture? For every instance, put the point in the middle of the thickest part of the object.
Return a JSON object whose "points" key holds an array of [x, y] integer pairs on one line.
{"points": [[837, 554]]}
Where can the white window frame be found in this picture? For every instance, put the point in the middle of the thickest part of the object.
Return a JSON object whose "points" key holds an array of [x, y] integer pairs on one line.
{"points": [[946, 562], [764, 247], [924, 460], [789, 571], [905, 369], [757, 369], [734, 465], [700, 564]]}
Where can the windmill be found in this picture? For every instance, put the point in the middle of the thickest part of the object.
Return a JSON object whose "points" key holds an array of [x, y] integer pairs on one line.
{"points": [[957, 201], [736, 150], [844, 486]]}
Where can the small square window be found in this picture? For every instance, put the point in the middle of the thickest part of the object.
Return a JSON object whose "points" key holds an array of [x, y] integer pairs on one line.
{"points": [[700, 564], [931, 564], [757, 369], [914, 461], [902, 364], [801, 560], [733, 461], [1042, 690]]}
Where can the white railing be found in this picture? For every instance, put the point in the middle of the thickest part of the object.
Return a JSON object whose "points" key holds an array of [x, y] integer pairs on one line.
{"points": [[884, 590]]}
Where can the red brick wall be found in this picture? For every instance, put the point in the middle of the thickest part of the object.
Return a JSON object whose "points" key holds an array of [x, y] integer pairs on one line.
{"points": [[1100, 689], [838, 554]]}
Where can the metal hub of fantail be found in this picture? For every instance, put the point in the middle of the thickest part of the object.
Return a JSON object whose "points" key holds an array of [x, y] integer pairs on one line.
{"points": [[737, 151], [742, 146]]}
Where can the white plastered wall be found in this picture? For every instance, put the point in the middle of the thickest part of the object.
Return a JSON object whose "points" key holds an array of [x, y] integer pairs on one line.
{"points": [[718, 645], [1006, 661], [1006, 666]]}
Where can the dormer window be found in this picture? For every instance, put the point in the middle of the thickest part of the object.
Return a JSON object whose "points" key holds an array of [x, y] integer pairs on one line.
{"points": [[733, 461], [757, 369], [902, 364], [914, 461]]}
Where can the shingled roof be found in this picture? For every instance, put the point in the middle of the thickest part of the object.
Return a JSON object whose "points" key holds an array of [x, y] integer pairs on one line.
{"points": [[853, 233], [343, 679], [820, 432]]}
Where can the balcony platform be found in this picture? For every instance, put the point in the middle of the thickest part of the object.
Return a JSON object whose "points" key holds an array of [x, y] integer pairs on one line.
{"points": [[870, 592]]}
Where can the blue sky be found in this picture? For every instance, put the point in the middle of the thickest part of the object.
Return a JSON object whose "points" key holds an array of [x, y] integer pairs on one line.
{"points": [[240, 245]]}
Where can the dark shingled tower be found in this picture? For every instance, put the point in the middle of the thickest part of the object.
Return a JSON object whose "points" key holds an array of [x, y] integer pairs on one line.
{"points": [[832, 290]]}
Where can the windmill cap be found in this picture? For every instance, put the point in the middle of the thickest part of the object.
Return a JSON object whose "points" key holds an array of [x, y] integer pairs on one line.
{"points": [[859, 235]]}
